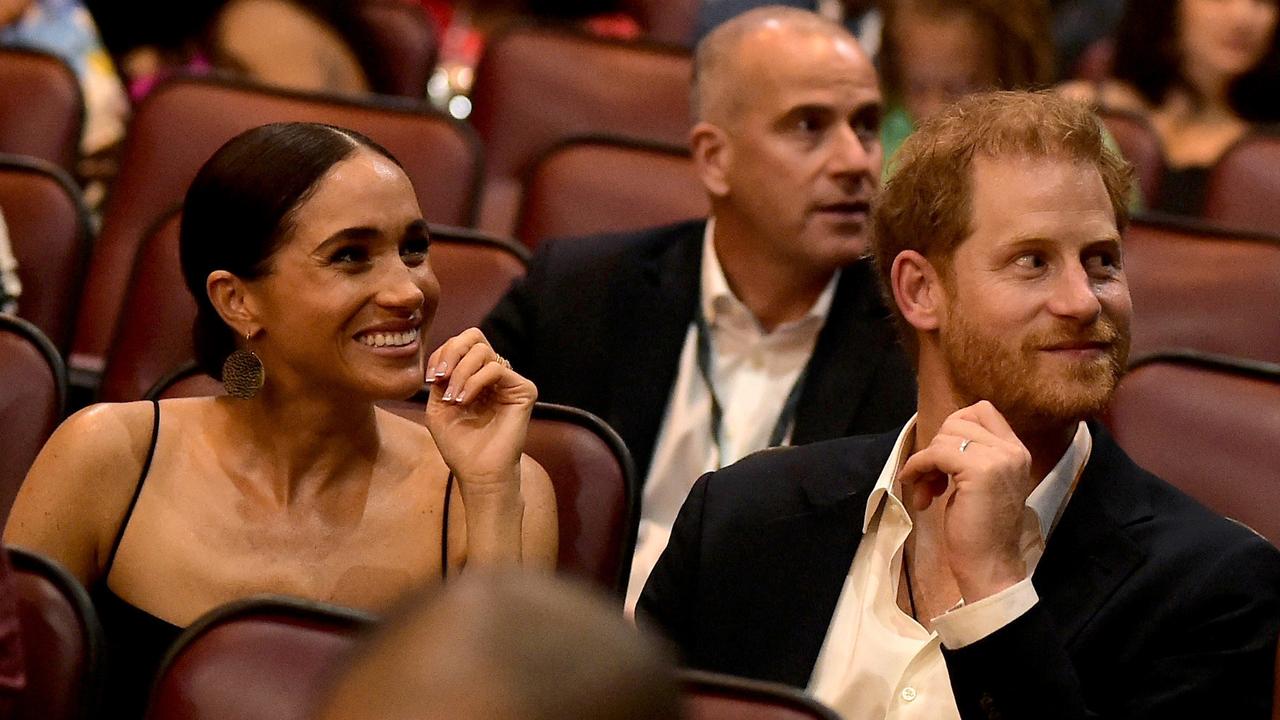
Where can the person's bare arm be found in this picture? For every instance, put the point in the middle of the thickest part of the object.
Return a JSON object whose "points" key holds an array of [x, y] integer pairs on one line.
{"points": [[77, 490]]}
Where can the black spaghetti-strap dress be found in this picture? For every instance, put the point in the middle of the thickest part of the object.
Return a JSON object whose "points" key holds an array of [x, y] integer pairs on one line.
{"points": [[137, 641]]}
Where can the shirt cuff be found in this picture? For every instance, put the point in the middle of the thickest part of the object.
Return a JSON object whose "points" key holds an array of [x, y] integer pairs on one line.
{"points": [[970, 623]]}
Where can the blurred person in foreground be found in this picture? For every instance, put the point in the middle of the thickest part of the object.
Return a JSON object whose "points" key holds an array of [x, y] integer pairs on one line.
{"points": [[707, 340], [507, 647], [1000, 556], [309, 262]]}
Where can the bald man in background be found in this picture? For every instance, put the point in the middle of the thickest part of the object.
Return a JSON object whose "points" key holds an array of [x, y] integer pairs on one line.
{"points": [[760, 326]]}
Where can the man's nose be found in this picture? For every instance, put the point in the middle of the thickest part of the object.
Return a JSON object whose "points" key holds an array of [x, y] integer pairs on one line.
{"points": [[853, 154], [1075, 295]]}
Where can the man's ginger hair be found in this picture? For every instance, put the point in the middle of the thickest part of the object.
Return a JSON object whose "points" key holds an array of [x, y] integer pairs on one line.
{"points": [[926, 206]]}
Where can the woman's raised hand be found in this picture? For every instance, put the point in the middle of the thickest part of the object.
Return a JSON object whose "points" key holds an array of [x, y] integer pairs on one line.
{"points": [[478, 413]]}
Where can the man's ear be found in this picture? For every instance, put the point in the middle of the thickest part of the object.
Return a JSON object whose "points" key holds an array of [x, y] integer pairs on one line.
{"points": [[711, 155], [234, 301], [918, 291]]}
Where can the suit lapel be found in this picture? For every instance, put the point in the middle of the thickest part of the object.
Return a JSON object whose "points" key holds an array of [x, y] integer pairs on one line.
{"points": [[653, 301], [850, 348], [1091, 553]]}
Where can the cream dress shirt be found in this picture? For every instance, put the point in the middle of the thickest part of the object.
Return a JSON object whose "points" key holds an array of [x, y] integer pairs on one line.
{"points": [[877, 661], [753, 372]]}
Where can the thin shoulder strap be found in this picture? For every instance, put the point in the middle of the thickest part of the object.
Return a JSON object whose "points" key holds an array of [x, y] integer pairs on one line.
{"points": [[444, 529], [137, 490]]}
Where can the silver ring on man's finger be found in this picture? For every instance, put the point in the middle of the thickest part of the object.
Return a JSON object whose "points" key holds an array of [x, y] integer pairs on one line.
{"points": [[964, 445]]}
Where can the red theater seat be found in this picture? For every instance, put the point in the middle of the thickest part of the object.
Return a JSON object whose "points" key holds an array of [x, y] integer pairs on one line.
{"points": [[536, 86], [1211, 427], [710, 696], [33, 386], [1140, 145], [404, 45], [41, 108], [1200, 287], [49, 232], [1244, 185], [264, 658], [61, 638], [585, 186]]}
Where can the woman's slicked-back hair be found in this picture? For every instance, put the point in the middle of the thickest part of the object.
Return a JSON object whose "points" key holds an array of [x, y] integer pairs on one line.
{"points": [[239, 208], [1148, 56]]}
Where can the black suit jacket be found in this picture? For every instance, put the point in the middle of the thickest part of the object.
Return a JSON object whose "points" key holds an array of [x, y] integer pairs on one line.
{"points": [[598, 323], [1150, 605]]}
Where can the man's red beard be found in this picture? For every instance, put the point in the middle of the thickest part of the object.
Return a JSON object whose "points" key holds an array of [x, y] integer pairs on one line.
{"points": [[1031, 389]]}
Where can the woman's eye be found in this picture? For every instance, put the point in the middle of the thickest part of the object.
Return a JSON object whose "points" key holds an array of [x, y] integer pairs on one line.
{"points": [[349, 255]]}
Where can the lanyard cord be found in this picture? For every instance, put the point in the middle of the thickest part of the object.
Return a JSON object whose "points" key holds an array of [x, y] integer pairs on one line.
{"points": [[785, 417]]}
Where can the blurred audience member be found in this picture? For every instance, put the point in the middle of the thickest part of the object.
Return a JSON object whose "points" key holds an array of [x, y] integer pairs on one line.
{"points": [[65, 28], [708, 340], [507, 647], [1203, 71], [307, 256], [1078, 25], [859, 16], [935, 52], [308, 45], [10, 286]]}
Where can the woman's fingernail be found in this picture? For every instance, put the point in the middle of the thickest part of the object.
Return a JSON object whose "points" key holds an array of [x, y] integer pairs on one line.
{"points": [[461, 394], [448, 395], [440, 369]]}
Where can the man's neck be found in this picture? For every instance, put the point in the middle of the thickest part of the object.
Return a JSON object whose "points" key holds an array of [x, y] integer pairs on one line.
{"points": [[774, 293]]}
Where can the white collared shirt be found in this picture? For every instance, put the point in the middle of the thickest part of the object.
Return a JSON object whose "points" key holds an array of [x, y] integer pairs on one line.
{"points": [[753, 372], [877, 661]]}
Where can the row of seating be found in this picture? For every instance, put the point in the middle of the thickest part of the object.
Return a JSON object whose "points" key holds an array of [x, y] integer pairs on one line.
{"points": [[262, 658]]}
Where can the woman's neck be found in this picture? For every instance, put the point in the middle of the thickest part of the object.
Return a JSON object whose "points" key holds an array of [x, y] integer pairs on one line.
{"points": [[301, 445]]}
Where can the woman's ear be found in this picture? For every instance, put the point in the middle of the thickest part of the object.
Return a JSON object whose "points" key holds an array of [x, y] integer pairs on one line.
{"points": [[234, 302], [917, 289], [711, 156]]}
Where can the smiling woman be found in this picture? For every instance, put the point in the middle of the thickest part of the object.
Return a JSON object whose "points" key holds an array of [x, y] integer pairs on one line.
{"points": [[309, 260]]}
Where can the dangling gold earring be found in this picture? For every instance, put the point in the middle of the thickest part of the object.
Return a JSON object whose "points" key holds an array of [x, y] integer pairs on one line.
{"points": [[242, 372]]}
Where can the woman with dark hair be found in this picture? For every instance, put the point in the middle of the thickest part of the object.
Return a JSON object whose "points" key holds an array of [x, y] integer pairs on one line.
{"points": [[934, 52], [309, 260], [1203, 72]]}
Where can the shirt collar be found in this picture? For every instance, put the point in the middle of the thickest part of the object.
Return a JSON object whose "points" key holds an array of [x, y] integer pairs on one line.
{"points": [[716, 294], [1047, 500]]}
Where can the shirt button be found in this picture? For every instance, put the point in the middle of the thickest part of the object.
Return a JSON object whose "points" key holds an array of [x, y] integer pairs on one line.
{"points": [[908, 694]]}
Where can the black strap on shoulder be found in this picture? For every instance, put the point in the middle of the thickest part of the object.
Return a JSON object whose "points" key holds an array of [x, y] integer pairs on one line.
{"points": [[444, 529], [137, 491]]}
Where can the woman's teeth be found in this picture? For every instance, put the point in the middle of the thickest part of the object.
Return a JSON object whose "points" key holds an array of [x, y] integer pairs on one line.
{"points": [[394, 339]]}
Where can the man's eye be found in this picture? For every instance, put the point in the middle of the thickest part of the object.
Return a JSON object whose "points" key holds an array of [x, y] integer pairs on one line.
{"points": [[414, 250], [1103, 261], [809, 124], [1030, 261]]}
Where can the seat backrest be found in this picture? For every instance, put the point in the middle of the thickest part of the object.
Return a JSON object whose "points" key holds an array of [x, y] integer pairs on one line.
{"points": [[179, 126], [1140, 145], [403, 45], [41, 107], [586, 186], [61, 639], [666, 21], [264, 658], [1211, 427], [155, 336], [49, 231], [474, 271], [33, 388], [597, 496], [710, 696], [1203, 288], [1244, 185], [535, 86]]}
